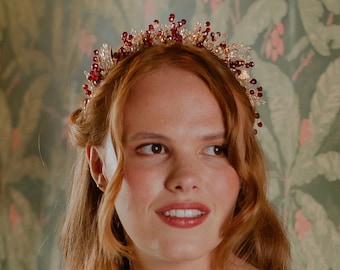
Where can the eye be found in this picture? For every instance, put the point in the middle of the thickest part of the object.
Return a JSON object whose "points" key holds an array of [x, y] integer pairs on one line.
{"points": [[152, 149], [215, 150]]}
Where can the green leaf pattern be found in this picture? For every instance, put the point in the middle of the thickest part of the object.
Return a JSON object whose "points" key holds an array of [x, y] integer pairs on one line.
{"points": [[44, 47]]}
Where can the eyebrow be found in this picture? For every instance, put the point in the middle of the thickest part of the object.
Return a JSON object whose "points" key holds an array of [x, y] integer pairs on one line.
{"points": [[151, 135], [214, 136], [147, 135]]}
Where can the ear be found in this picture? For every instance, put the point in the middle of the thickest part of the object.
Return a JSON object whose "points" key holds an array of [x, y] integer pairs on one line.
{"points": [[96, 167]]}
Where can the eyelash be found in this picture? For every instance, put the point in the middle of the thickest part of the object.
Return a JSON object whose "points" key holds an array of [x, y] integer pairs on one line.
{"points": [[152, 149], [157, 148], [219, 150]]}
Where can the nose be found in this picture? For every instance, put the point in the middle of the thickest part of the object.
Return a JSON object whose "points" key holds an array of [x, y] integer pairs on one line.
{"points": [[184, 175]]}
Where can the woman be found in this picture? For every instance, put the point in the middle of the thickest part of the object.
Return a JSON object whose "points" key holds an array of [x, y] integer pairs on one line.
{"points": [[170, 174]]}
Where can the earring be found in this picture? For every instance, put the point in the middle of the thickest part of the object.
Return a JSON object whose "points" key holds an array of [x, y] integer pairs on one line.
{"points": [[102, 182]]}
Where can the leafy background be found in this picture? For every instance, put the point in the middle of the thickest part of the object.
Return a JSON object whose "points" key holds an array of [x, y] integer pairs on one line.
{"points": [[45, 46]]}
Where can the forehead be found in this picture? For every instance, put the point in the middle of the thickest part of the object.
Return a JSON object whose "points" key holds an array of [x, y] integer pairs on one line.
{"points": [[170, 95]]}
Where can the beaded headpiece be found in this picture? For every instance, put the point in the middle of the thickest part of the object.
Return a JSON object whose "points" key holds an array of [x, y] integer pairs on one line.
{"points": [[235, 56]]}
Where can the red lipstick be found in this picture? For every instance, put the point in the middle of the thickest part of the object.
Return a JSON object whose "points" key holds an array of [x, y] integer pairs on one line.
{"points": [[183, 215]]}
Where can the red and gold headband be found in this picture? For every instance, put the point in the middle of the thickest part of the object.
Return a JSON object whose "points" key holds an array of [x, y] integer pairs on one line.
{"points": [[235, 56]]}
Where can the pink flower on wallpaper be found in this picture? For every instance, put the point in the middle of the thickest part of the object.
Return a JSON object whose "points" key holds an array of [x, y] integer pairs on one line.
{"points": [[16, 138], [302, 225], [13, 217], [274, 46], [85, 43], [213, 3], [305, 132], [149, 8]]}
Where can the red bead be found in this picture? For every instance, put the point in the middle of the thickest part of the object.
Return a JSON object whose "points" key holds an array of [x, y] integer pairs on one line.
{"points": [[95, 52], [151, 27], [259, 88], [257, 115], [88, 92], [259, 94], [156, 21], [149, 40], [171, 17], [252, 92], [259, 124], [251, 64], [184, 21], [85, 86], [239, 63], [95, 59], [207, 24], [253, 81]]}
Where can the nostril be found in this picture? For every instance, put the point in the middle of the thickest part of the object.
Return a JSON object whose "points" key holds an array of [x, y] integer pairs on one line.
{"points": [[182, 179]]}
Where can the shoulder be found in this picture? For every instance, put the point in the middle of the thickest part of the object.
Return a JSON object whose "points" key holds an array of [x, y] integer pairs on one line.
{"points": [[237, 263]]}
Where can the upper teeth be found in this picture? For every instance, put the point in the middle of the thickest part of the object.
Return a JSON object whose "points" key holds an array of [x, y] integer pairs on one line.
{"points": [[184, 213]]}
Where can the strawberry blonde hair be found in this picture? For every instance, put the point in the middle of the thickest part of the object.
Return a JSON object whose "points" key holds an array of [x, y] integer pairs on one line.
{"points": [[93, 237]]}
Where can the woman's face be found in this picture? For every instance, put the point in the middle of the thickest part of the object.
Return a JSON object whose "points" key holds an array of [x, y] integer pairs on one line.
{"points": [[179, 187]]}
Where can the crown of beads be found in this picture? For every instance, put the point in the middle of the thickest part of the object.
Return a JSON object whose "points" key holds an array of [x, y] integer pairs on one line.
{"points": [[235, 56]]}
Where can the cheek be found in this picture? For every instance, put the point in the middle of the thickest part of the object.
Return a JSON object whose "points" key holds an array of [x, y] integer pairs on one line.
{"points": [[141, 182], [226, 190], [126, 204], [134, 200], [139, 188]]}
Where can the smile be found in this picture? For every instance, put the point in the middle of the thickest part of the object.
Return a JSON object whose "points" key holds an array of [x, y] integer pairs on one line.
{"points": [[184, 213]]}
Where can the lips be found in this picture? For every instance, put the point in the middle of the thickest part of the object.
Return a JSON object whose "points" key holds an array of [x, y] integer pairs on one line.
{"points": [[183, 215]]}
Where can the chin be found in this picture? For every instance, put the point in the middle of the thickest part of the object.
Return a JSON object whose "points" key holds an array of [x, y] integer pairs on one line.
{"points": [[182, 253]]}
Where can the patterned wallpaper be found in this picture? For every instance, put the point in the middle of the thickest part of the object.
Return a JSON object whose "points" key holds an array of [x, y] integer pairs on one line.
{"points": [[46, 45]]}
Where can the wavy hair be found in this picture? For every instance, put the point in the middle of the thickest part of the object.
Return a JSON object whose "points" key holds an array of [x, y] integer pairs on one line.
{"points": [[93, 237]]}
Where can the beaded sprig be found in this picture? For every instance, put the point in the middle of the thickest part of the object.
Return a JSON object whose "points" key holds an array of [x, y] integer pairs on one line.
{"points": [[235, 56]]}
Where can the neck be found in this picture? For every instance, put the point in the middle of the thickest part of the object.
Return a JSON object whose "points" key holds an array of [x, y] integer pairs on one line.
{"points": [[234, 263], [159, 264]]}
